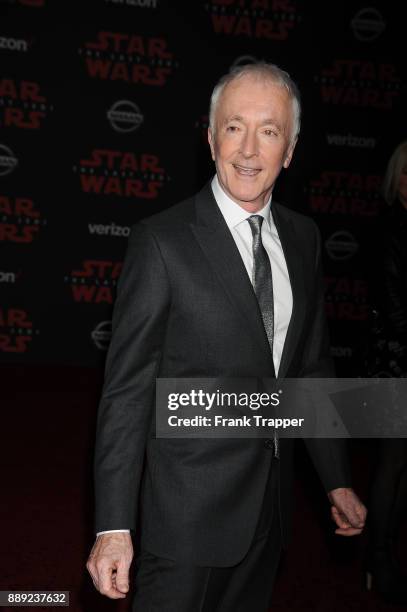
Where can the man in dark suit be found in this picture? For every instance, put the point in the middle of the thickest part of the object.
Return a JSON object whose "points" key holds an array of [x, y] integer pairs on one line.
{"points": [[225, 284]]}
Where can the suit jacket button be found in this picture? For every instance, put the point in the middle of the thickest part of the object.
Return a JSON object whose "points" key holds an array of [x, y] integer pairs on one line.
{"points": [[269, 444]]}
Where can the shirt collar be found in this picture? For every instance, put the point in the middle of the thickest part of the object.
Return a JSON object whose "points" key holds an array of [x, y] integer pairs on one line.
{"points": [[231, 211]]}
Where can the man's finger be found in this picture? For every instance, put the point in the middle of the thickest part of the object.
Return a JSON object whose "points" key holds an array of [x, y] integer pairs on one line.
{"points": [[351, 531], [354, 518], [122, 577], [339, 519], [361, 513], [106, 585]]}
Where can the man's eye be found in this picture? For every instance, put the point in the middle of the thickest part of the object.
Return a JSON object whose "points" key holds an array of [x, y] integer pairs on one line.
{"points": [[270, 132], [232, 128]]}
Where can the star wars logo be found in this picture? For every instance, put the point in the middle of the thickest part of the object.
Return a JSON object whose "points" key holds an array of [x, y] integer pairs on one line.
{"points": [[95, 282], [22, 104], [120, 173], [129, 58], [359, 83], [264, 19], [346, 299], [335, 192], [20, 221], [16, 330]]}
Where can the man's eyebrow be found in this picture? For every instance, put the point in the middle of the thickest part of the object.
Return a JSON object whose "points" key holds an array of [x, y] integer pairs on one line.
{"points": [[270, 121], [233, 118]]}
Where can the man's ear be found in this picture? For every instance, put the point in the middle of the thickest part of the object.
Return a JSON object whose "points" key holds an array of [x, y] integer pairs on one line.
{"points": [[289, 154], [211, 141]]}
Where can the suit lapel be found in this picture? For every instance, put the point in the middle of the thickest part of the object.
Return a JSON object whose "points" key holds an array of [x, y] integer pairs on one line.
{"points": [[290, 244], [219, 247]]}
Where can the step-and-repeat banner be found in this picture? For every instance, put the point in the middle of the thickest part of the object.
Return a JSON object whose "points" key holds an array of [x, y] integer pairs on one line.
{"points": [[103, 120]]}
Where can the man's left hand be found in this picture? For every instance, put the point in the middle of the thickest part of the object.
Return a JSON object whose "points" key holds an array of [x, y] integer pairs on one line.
{"points": [[347, 511]]}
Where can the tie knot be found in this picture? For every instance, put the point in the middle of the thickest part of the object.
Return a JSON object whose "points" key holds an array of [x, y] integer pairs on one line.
{"points": [[255, 222]]}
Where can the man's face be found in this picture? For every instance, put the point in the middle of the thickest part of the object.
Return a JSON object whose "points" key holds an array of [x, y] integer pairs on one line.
{"points": [[252, 140]]}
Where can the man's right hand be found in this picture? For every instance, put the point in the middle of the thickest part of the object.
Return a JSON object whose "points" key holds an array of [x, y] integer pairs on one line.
{"points": [[109, 563]]}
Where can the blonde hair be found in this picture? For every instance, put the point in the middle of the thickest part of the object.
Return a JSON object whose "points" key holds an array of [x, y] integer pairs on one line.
{"points": [[395, 166], [267, 72]]}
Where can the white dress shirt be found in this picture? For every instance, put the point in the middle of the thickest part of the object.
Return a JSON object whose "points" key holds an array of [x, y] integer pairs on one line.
{"points": [[236, 220]]}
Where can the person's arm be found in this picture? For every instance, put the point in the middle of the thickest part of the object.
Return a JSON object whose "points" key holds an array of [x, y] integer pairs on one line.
{"points": [[393, 287], [126, 406], [329, 456]]}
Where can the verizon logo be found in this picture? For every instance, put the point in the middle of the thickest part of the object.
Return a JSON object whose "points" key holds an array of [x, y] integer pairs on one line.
{"points": [[349, 140], [7, 277], [13, 44], [109, 230]]}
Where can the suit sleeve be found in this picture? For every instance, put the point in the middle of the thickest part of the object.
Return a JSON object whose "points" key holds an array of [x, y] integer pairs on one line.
{"points": [[126, 405], [393, 295], [329, 456]]}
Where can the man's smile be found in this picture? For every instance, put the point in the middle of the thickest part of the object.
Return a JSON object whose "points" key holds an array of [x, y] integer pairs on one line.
{"points": [[246, 170]]}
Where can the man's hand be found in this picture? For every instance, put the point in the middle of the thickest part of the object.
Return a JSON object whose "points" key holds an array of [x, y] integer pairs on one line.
{"points": [[109, 563], [347, 511]]}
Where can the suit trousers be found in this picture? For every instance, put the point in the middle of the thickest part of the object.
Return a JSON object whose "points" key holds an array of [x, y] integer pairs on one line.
{"points": [[163, 585]]}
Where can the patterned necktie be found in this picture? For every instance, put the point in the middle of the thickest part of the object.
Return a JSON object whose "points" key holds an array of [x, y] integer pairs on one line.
{"points": [[263, 288], [262, 278]]}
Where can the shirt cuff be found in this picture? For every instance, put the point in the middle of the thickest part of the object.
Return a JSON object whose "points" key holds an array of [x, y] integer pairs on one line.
{"points": [[113, 531]]}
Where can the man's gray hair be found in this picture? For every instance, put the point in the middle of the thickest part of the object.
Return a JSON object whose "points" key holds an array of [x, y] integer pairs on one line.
{"points": [[265, 72]]}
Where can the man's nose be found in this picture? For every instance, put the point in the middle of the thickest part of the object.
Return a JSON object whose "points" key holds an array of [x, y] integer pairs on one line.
{"points": [[249, 145]]}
